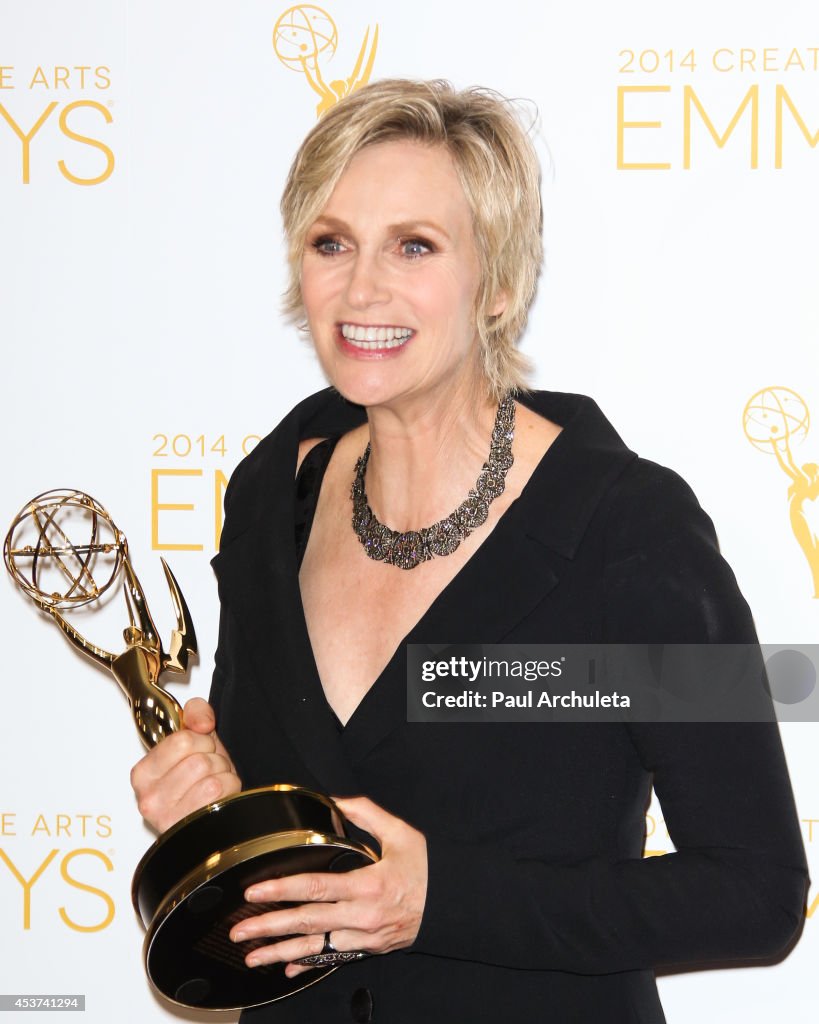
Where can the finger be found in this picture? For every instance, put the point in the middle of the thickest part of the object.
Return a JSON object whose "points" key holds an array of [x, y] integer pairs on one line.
{"points": [[305, 919], [184, 791], [359, 939], [318, 887], [293, 948], [222, 749], [287, 950], [199, 716], [293, 970], [168, 754], [367, 814], [193, 770], [208, 791], [343, 941]]}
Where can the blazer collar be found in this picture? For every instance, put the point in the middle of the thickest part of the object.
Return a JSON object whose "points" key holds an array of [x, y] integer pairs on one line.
{"points": [[510, 573], [577, 470]]}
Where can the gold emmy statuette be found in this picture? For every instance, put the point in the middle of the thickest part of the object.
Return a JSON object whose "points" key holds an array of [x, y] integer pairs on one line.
{"points": [[189, 887]]}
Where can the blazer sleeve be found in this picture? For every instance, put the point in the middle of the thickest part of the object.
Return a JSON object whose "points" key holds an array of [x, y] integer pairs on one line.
{"points": [[735, 887]]}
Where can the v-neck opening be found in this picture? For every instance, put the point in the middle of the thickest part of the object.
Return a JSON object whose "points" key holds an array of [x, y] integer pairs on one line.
{"points": [[501, 525]]}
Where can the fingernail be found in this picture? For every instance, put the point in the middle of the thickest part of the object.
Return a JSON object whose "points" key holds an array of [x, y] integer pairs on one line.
{"points": [[253, 961], [239, 936], [253, 894]]}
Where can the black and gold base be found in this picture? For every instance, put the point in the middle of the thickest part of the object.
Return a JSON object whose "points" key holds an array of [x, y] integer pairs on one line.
{"points": [[189, 890]]}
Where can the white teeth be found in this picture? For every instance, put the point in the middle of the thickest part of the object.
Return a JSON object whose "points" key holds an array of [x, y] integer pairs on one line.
{"points": [[376, 337]]}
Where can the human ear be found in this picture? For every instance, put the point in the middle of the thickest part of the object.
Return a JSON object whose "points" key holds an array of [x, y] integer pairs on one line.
{"points": [[499, 304]]}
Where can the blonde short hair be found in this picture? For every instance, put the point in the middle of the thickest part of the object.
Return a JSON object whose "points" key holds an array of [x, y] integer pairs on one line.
{"points": [[500, 176]]}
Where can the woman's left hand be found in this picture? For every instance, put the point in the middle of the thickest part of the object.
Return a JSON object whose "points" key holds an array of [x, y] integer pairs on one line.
{"points": [[375, 909]]}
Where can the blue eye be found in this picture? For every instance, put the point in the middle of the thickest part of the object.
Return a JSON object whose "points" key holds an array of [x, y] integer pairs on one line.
{"points": [[327, 246], [415, 247]]}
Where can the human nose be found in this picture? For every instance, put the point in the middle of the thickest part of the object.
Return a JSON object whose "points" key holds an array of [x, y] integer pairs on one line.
{"points": [[367, 284]]}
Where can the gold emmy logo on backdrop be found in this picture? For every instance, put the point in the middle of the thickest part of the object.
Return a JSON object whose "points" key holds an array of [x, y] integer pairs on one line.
{"points": [[774, 420], [189, 887], [306, 36]]}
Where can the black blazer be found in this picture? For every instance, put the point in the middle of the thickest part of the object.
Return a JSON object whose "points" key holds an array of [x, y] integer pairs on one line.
{"points": [[540, 906]]}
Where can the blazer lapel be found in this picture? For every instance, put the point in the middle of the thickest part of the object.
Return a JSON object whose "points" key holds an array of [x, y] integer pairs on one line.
{"points": [[257, 585], [258, 581]]}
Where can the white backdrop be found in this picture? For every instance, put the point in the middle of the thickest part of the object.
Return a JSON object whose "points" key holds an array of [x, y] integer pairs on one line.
{"points": [[140, 244]]}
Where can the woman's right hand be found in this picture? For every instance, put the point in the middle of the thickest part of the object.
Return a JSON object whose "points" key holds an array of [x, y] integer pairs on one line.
{"points": [[186, 771]]}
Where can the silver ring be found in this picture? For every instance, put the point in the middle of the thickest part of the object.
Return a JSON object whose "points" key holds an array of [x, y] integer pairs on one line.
{"points": [[330, 956]]}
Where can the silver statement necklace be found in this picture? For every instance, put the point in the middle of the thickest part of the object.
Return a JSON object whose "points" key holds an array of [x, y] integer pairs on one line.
{"points": [[406, 550]]}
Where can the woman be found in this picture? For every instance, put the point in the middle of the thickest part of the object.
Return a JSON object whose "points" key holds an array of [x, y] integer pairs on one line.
{"points": [[511, 884]]}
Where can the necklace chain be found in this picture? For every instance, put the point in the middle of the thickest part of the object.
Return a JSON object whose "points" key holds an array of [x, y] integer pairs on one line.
{"points": [[406, 550]]}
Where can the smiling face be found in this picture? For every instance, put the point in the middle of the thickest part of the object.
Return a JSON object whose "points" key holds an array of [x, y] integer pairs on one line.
{"points": [[390, 273]]}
